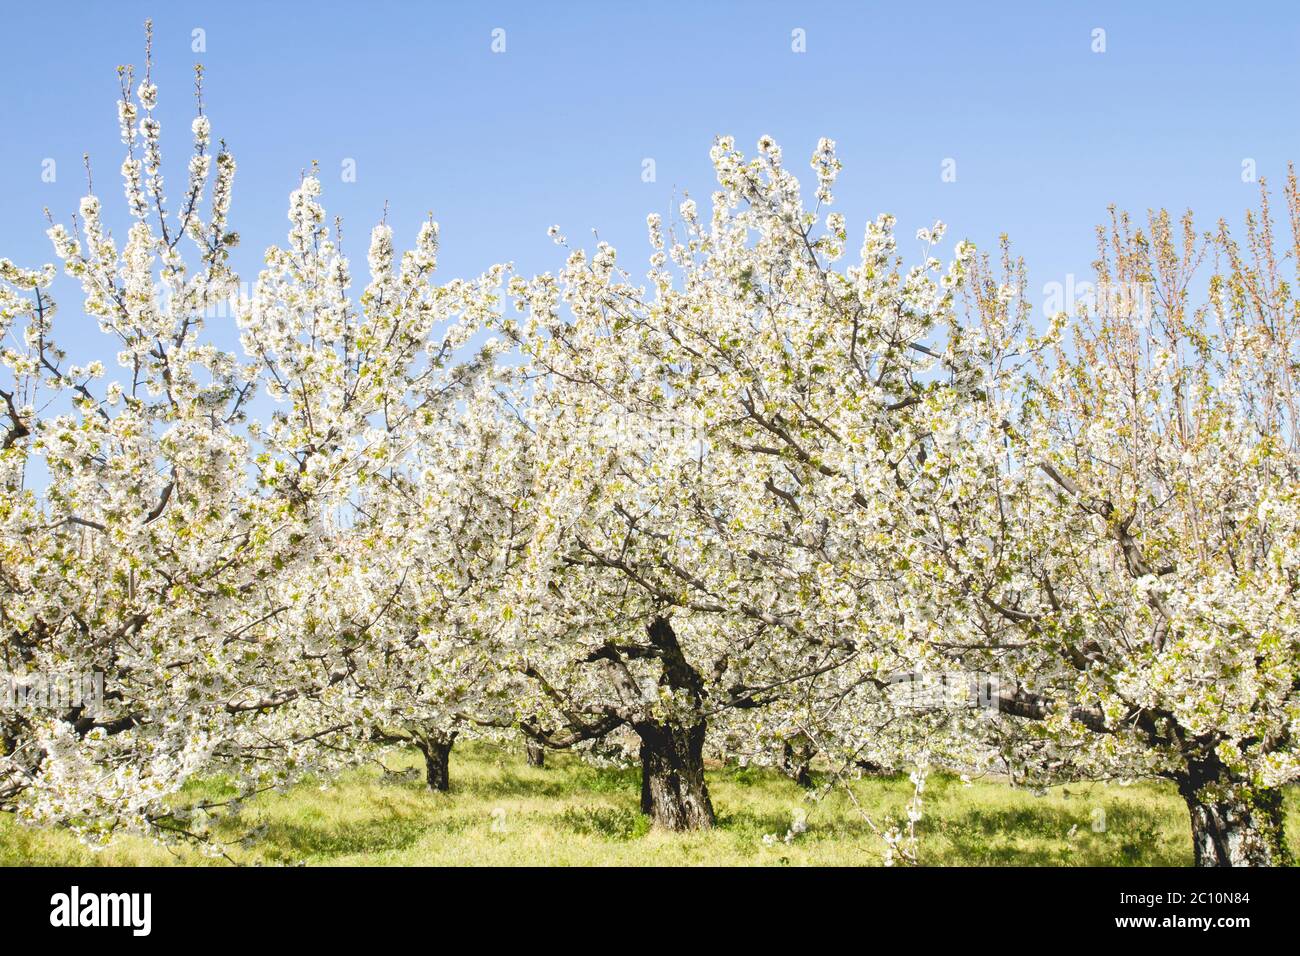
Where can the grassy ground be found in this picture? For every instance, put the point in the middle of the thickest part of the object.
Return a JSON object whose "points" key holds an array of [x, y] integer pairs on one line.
{"points": [[502, 812]]}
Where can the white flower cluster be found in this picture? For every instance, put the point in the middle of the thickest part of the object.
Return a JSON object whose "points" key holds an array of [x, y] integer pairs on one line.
{"points": [[721, 510]]}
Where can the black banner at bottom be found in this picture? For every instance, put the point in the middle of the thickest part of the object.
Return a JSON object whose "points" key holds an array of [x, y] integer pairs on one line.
{"points": [[227, 906]]}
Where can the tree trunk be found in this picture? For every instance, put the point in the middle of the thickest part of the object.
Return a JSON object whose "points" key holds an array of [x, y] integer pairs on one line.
{"points": [[1233, 824], [436, 748], [536, 753], [673, 790], [796, 758]]}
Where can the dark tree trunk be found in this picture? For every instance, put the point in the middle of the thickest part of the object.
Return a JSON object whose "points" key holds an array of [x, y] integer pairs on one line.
{"points": [[1232, 824], [796, 759], [436, 748], [536, 753], [673, 790]]}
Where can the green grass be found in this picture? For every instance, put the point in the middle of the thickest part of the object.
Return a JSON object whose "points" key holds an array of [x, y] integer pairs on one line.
{"points": [[502, 812]]}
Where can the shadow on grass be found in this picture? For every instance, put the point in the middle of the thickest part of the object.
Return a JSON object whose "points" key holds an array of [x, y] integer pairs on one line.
{"points": [[1041, 836], [508, 783], [613, 823], [559, 782], [752, 821], [294, 840]]}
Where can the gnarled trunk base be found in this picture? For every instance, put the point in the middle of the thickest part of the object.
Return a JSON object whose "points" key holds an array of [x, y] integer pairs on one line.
{"points": [[796, 760], [673, 790], [536, 753], [1233, 824], [436, 749]]}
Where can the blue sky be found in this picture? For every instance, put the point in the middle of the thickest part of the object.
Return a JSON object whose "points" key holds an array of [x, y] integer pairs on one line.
{"points": [[1044, 131]]}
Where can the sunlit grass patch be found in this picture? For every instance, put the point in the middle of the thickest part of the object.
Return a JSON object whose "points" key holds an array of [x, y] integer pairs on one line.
{"points": [[500, 811]]}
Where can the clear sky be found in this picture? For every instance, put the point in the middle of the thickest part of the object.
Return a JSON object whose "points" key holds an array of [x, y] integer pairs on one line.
{"points": [[1044, 131]]}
